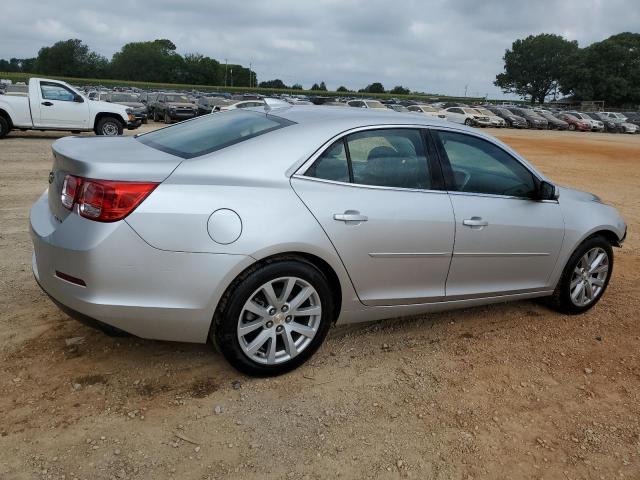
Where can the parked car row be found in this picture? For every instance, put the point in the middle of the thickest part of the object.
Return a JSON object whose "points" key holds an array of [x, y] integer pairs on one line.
{"points": [[168, 107]]}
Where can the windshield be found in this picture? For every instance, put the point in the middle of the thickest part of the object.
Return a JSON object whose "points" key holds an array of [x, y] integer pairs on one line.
{"points": [[209, 133], [124, 97], [374, 104], [484, 111], [178, 99]]}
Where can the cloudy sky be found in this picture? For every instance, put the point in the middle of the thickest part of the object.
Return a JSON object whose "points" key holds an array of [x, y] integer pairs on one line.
{"points": [[436, 46]]}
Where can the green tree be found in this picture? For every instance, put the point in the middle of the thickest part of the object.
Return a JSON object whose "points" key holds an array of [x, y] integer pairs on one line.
{"points": [[155, 61], [296, 86], [201, 70], [534, 65], [71, 58], [375, 87], [608, 70], [400, 90], [342, 89], [277, 83]]}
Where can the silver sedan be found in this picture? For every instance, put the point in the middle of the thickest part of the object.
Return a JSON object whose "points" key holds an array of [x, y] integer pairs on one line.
{"points": [[258, 229]]}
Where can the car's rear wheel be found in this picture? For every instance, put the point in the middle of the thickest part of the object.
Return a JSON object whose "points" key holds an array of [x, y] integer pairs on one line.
{"points": [[4, 127], [109, 126], [468, 122], [585, 277], [274, 318], [572, 127]]}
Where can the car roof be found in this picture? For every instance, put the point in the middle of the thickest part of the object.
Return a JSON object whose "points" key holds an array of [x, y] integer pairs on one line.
{"points": [[346, 119]]}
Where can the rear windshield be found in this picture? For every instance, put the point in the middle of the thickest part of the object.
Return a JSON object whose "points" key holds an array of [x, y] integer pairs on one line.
{"points": [[209, 133]]}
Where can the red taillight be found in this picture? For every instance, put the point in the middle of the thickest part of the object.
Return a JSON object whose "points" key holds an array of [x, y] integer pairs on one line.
{"points": [[104, 200], [70, 190]]}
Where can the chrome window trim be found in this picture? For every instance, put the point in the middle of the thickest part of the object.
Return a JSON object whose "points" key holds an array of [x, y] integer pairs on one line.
{"points": [[495, 195], [371, 187]]}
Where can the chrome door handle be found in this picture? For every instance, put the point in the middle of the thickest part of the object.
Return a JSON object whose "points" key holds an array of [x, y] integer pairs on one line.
{"points": [[47, 104], [350, 216], [475, 222]]}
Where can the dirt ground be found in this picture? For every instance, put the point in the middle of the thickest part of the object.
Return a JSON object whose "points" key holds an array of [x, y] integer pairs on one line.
{"points": [[500, 392]]}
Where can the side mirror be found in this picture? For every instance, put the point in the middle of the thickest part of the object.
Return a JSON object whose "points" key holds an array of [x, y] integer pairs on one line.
{"points": [[548, 191]]}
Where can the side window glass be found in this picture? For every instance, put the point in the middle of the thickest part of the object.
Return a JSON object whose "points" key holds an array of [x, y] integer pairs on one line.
{"points": [[481, 167], [52, 91], [389, 158], [332, 164]]}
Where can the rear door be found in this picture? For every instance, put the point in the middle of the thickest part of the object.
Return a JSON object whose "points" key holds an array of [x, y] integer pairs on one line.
{"points": [[505, 241], [60, 107], [377, 194]]}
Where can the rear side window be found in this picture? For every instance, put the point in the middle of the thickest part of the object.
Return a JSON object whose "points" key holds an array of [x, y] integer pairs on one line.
{"points": [[385, 158], [332, 164], [209, 133]]}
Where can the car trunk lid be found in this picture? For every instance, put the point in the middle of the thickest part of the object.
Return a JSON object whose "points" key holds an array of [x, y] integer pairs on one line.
{"points": [[105, 158]]}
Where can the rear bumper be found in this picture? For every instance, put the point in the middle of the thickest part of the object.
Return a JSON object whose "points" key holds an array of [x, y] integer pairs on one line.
{"points": [[130, 285]]}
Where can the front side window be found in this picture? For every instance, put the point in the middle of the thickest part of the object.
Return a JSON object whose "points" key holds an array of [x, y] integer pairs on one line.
{"points": [[478, 166], [209, 133], [55, 91], [386, 158]]}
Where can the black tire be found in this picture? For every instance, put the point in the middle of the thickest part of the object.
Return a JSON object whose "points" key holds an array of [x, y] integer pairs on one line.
{"points": [[167, 118], [4, 127], [572, 127], [468, 122], [561, 298], [109, 126], [225, 322]]}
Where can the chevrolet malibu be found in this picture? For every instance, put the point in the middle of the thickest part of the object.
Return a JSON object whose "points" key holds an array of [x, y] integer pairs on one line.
{"points": [[259, 229]]}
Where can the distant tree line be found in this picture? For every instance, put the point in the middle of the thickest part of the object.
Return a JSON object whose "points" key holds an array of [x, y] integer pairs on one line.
{"points": [[153, 61], [545, 65], [375, 87]]}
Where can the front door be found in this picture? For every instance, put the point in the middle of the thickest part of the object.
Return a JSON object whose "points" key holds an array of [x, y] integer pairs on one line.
{"points": [[373, 194], [506, 242], [58, 108]]}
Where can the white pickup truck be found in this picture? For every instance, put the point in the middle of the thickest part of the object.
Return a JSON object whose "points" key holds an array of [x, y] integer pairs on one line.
{"points": [[55, 105]]}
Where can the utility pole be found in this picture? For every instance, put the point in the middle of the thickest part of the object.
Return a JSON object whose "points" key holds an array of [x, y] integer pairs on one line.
{"points": [[225, 72], [231, 71], [250, 75], [465, 90]]}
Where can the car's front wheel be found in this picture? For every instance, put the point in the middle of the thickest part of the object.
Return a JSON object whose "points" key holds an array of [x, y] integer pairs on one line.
{"points": [[274, 318], [109, 126], [585, 277]]}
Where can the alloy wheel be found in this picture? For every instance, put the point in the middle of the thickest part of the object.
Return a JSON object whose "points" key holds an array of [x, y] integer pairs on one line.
{"points": [[279, 320], [589, 277]]}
